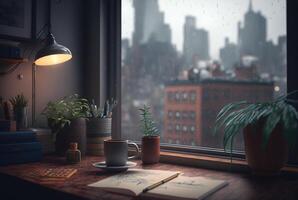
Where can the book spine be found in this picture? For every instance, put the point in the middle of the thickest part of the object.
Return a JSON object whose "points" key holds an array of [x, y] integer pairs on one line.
{"points": [[17, 137], [7, 125], [20, 157], [17, 140], [20, 147]]}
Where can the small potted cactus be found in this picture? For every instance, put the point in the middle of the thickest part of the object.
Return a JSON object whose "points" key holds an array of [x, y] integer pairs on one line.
{"points": [[150, 139], [19, 104]]}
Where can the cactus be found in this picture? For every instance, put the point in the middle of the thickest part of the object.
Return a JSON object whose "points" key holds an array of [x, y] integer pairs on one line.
{"points": [[147, 123]]}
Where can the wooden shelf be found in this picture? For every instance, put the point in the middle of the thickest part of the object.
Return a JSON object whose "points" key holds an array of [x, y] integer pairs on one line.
{"points": [[10, 61]]}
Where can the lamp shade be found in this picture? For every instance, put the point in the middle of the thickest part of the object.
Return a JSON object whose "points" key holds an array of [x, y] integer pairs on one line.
{"points": [[52, 54]]}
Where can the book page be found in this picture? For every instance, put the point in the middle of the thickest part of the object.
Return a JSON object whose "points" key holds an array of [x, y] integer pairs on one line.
{"points": [[184, 187], [134, 180]]}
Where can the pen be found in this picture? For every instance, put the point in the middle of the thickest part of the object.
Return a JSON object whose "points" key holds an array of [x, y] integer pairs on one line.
{"points": [[161, 182]]}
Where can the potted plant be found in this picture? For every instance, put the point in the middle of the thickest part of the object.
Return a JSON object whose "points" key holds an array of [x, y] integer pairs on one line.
{"points": [[99, 126], [66, 117], [269, 128], [19, 104], [150, 139]]}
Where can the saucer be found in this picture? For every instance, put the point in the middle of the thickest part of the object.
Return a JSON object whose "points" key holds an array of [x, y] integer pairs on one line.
{"points": [[102, 165]]}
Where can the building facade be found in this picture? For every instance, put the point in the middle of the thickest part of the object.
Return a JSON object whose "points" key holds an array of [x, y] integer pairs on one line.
{"points": [[190, 108]]}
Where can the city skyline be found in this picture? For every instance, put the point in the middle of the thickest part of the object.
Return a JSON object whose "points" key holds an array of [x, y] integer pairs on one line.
{"points": [[273, 10]]}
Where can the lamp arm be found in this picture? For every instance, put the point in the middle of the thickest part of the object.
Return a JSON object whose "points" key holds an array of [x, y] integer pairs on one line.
{"points": [[33, 93]]}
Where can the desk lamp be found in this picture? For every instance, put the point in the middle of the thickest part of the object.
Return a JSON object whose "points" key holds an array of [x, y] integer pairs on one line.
{"points": [[51, 54]]}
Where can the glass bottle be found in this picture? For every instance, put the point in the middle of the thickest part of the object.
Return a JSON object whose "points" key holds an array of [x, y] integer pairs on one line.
{"points": [[73, 154]]}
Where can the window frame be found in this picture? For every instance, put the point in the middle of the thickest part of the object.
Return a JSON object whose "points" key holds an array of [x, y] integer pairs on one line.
{"points": [[113, 86]]}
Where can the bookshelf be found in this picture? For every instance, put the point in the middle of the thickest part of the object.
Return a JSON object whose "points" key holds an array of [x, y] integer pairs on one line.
{"points": [[11, 61], [10, 64]]}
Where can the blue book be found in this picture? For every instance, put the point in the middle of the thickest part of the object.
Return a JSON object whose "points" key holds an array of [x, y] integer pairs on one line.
{"points": [[20, 153], [20, 157], [20, 147], [17, 137]]}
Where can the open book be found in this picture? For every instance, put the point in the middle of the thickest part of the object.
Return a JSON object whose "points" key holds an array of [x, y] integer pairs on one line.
{"points": [[157, 183]]}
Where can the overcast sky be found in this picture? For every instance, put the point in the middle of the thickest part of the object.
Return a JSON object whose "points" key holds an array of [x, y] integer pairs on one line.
{"points": [[218, 17]]}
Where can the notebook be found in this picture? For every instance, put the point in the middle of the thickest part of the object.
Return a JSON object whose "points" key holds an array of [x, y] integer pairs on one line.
{"points": [[158, 183]]}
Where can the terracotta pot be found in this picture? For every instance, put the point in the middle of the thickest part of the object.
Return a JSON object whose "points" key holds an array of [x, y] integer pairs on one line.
{"points": [[73, 133], [268, 160], [150, 149]]}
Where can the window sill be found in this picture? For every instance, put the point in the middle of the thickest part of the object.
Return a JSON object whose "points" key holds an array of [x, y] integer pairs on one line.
{"points": [[212, 162]]}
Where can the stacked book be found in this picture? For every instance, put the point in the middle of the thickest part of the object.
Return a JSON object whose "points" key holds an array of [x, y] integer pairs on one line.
{"points": [[19, 147], [46, 139]]}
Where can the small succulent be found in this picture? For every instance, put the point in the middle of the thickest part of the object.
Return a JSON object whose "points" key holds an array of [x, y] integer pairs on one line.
{"points": [[147, 123], [106, 112], [19, 101]]}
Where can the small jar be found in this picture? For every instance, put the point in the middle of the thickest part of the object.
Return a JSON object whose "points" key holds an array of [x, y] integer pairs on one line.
{"points": [[73, 154]]}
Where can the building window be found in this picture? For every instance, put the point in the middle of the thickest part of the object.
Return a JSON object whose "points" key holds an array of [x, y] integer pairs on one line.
{"points": [[185, 115], [193, 96], [185, 96], [170, 114], [184, 128], [178, 115], [192, 115], [177, 96], [178, 128], [188, 69], [192, 129]]}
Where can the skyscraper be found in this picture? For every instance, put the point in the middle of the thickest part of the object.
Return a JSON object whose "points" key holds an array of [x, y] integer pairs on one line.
{"points": [[149, 23], [196, 41], [229, 54], [252, 36]]}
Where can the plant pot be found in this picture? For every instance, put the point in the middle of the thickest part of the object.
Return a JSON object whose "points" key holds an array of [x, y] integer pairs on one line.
{"points": [[99, 127], [98, 130], [266, 160], [75, 132], [21, 117], [150, 149]]}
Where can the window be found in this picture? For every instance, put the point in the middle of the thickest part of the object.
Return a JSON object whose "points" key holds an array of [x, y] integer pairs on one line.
{"points": [[187, 63]]}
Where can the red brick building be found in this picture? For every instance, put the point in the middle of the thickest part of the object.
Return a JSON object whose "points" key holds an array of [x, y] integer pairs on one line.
{"points": [[191, 108]]}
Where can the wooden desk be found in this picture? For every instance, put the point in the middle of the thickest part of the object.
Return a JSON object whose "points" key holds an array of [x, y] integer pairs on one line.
{"points": [[15, 184]]}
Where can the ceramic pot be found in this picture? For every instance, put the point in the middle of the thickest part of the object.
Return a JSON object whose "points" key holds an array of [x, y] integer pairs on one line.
{"points": [[268, 160], [150, 149], [73, 133], [99, 127], [21, 117]]}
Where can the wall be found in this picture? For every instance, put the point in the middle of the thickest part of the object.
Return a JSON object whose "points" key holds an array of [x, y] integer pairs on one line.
{"points": [[55, 81]]}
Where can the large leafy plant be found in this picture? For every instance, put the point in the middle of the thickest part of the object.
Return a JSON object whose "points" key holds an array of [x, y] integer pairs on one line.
{"points": [[233, 117], [147, 123], [63, 111]]}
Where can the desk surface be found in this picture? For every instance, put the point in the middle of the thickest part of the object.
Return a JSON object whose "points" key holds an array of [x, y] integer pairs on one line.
{"points": [[241, 186]]}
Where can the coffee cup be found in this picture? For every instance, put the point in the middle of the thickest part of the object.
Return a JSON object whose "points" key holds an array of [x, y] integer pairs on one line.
{"points": [[116, 152]]}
